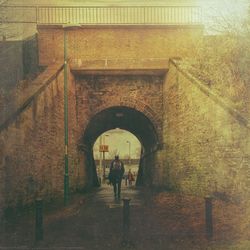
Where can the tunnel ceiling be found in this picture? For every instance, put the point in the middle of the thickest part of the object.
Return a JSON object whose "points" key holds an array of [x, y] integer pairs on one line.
{"points": [[124, 118]]}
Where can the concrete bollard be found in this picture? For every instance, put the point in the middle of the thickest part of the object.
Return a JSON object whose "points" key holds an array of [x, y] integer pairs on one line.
{"points": [[209, 217], [39, 219], [126, 219]]}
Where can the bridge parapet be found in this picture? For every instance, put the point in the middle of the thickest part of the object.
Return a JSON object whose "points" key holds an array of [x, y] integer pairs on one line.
{"points": [[205, 136], [124, 66], [170, 15], [117, 45], [31, 93]]}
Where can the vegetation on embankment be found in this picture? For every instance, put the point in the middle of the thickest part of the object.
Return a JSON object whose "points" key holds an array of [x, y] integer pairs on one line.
{"points": [[222, 61]]}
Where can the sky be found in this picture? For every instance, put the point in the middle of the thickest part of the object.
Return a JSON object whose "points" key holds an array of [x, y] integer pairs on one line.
{"points": [[216, 12], [117, 139]]}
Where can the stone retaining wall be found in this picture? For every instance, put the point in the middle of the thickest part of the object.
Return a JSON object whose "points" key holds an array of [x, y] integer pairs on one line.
{"points": [[32, 144], [206, 140]]}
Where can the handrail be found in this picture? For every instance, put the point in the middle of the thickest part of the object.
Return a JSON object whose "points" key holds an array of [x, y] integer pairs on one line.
{"points": [[212, 94], [29, 101], [44, 14]]}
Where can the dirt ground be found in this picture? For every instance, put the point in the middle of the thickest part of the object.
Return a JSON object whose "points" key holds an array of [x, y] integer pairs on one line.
{"points": [[158, 221]]}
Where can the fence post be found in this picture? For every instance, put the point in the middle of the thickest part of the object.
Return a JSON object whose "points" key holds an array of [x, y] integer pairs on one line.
{"points": [[126, 220], [209, 217], [39, 219]]}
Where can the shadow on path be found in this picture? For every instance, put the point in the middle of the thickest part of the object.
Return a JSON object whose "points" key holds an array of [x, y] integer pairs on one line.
{"points": [[94, 221]]}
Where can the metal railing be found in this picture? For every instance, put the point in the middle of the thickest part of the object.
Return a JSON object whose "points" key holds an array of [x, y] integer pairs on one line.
{"points": [[162, 15]]}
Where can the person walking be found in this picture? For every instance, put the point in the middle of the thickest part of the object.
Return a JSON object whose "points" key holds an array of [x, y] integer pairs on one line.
{"points": [[130, 178], [115, 175]]}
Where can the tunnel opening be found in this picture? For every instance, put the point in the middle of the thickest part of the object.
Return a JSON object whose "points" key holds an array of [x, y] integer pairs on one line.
{"points": [[128, 119], [117, 142]]}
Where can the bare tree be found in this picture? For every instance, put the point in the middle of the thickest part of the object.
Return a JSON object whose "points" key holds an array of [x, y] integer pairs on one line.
{"points": [[223, 61]]}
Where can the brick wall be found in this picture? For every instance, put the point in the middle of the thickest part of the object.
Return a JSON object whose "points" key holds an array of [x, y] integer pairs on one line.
{"points": [[205, 150], [140, 92], [95, 94], [206, 141], [117, 42], [32, 158], [205, 147]]}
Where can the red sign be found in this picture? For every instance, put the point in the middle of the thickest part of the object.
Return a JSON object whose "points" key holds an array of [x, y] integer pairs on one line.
{"points": [[103, 148]]}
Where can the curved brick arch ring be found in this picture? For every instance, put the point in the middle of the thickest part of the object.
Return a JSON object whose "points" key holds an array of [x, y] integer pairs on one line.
{"points": [[139, 106]]}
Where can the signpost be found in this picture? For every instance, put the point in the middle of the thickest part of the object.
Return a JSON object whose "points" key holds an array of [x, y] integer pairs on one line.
{"points": [[104, 148]]}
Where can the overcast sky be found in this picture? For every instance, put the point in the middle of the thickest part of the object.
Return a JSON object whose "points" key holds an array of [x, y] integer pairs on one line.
{"points": [[214, 11], [117, 139]]}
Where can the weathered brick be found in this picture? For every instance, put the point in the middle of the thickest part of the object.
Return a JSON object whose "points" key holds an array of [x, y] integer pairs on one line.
{"points": [[206, 143], [32, 160], [99, 43]]}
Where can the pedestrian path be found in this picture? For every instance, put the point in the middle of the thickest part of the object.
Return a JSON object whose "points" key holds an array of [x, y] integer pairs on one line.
{"points": [[158, 221], [105, 195], [97, 223]]}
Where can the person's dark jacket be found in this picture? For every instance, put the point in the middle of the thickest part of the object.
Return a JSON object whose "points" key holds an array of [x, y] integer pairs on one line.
{"points": [[116, 171]]}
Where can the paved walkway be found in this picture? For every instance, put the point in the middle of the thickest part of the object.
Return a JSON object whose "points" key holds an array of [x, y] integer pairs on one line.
{"points": [[89, 222], [94, 222]]}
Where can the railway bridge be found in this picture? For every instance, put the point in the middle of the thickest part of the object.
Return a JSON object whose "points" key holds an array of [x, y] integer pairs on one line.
{"points": [[111, 71]]}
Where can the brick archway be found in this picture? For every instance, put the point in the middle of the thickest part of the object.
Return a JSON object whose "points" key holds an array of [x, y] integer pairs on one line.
{"points": [[134, 121], [137, 105], [126, 118]]}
